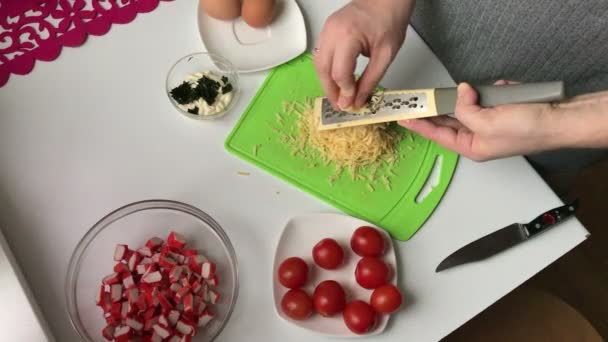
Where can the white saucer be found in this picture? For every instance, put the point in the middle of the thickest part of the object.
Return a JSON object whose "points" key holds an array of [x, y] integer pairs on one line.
{"points": [[298, 238], [250, 49]]}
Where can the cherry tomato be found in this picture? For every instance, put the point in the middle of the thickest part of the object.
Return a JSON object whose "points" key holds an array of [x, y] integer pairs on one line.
{"points": [[359, 317], [386, 299], [296, 304], [367, 241], [328, 254], [371, 273], [329, 298], [293, 273]]}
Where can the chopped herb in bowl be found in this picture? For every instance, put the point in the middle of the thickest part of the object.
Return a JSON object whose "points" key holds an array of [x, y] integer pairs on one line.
{"points": [[203, 93]]}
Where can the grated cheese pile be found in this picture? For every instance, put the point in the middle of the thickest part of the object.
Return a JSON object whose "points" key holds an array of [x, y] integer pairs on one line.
{"points": [[362, 150]]}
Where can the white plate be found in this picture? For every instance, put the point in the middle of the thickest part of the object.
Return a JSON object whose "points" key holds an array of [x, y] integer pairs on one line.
{"points": [[250, 49], [298, 238]]}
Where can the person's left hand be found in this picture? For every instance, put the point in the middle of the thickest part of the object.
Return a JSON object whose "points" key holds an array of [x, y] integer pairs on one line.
{"points": [[489, 133]]}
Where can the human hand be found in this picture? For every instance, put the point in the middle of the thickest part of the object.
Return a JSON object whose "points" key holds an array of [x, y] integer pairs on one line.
{"points": [[489, 133], [375, 29]]}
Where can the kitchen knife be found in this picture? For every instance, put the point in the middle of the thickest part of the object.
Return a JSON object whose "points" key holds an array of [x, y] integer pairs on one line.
{"points": [[507, 237], [395, 105]]}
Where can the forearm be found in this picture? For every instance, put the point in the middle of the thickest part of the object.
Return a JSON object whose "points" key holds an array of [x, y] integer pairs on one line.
{"points": [[403, 8], [582, 122]]}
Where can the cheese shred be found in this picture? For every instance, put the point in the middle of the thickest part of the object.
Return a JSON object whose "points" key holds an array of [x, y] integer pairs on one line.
{"points": [[367, 152], [352, 147]]}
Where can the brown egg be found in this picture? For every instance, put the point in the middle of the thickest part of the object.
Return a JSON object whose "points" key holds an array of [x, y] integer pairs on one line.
{"points": [[258, 13], [222, 9]]}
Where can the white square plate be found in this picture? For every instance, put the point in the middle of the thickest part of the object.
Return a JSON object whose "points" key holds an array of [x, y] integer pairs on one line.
{"points": [[298, 238], [250, 49]]}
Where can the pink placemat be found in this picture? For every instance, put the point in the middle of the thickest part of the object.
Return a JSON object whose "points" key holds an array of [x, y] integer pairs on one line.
{"points": [[33, 30]]}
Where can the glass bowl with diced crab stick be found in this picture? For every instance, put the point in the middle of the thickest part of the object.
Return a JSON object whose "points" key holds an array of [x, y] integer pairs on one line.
{"points": [[203, 86], [154, 270]]}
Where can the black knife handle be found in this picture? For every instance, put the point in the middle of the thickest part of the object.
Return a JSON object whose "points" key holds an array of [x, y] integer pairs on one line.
{"points": [[551, 218]]}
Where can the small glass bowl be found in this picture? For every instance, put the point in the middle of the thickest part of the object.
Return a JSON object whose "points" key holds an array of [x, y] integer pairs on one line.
{"points": [[133, 225], [200, 62]]}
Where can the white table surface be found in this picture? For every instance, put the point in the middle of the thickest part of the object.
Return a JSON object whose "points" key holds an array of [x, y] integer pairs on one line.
{"points": [[93, 130], [18, 307]]}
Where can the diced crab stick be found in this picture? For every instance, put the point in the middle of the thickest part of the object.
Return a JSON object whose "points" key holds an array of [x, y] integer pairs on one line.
{"points": [[166, 262], [152, 278], [128, 282], [205, 293], [150, 322], [142, 304], [196, 287], [182, 293], [140, 269], [173, 317], [123, 334], [154, 243], [213, 281], [108, 332], [145, 252], [184, 328], [199, 306], [161, 331], [177, 257], [164, 302], [162, 320], [189, 252], [214, 296], [116, 293], [134, 260], [121, 252], [175, 273], [110, 319], [175, 287], [155, 257], [133, 295], [176, 241], [135, 323], [125, 310], [196, 262], [188, 303], [121, 268], [205, 318], [207, 269], [111, 279], [99, 295], [175, 338], [156, 338]]}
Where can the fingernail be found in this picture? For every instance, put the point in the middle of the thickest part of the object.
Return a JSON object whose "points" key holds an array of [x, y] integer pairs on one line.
{"points": [[350, 91], [344, 102], [460, 89]]}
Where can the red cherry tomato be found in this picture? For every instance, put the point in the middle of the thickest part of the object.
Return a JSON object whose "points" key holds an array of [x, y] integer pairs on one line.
{"points": [[367, 241], [296, 304], [371, 273], [329, 298], [328, 254], [359, 317], [386, 299], [293, 273]]}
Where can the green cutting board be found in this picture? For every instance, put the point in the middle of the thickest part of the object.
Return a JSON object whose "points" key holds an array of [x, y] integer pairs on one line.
{"points": [[396, 210]]}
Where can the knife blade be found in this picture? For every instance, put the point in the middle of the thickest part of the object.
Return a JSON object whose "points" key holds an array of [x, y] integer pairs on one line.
{"points": [[508, 237], [395, 105]]}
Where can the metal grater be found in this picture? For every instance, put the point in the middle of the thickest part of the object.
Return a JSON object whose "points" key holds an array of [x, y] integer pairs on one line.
{"points": [[396, 105], [390, 104]]}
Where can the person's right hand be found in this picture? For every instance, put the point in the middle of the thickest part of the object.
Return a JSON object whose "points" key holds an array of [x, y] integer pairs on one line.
{"points": [[373, 28]]}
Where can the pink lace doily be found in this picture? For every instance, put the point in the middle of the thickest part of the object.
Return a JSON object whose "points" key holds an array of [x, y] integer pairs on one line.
{"points": [[33, 30]]}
